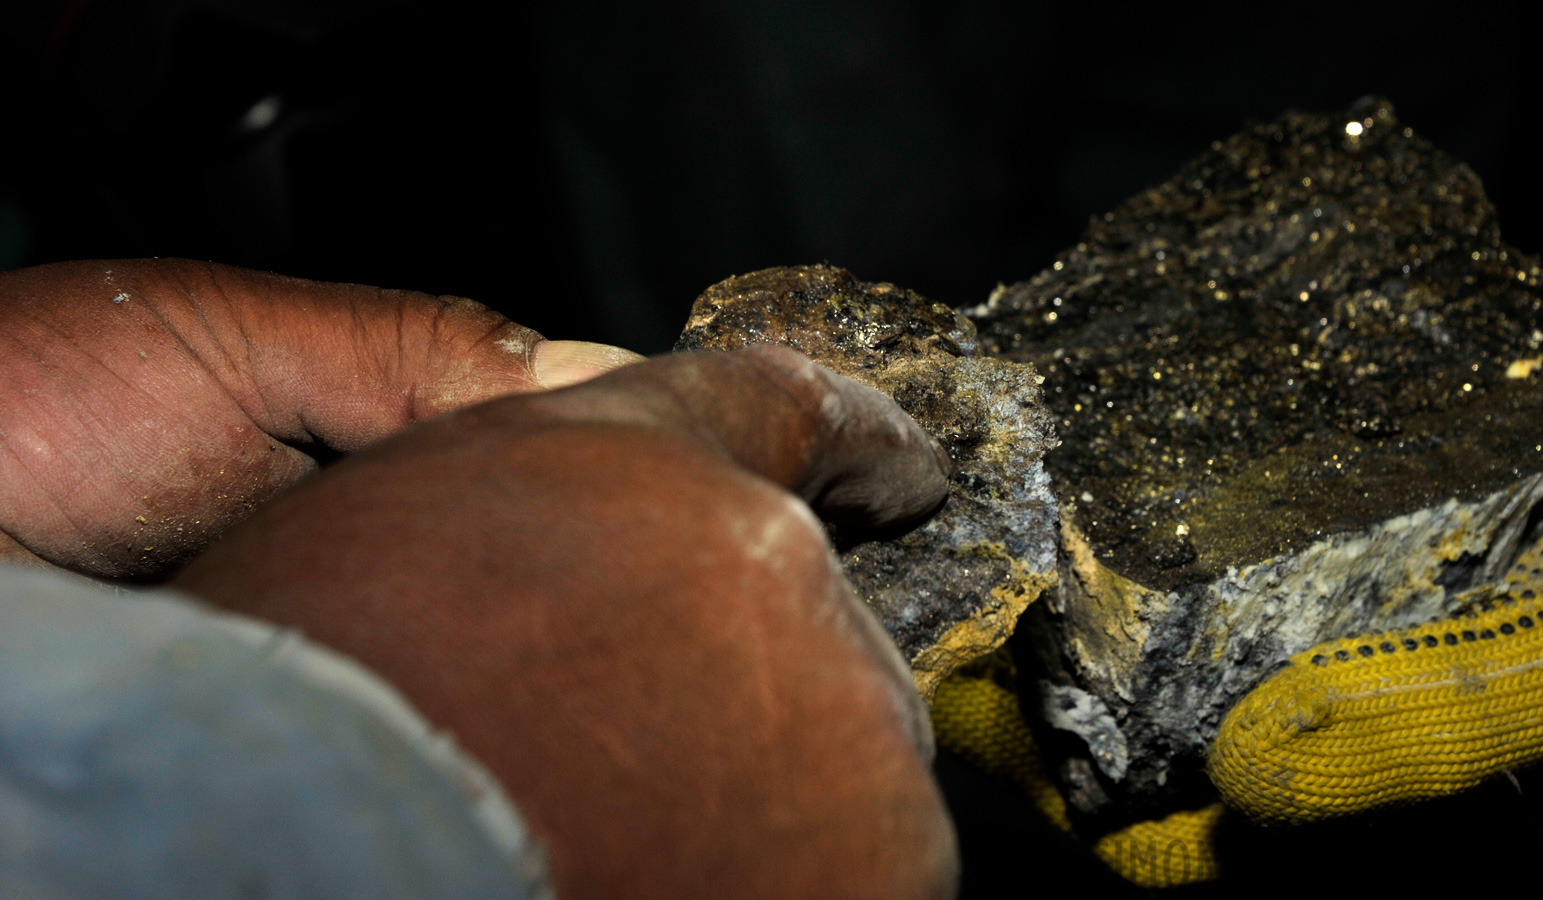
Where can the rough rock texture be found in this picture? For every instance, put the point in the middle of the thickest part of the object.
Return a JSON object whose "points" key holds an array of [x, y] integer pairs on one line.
{"points": [[953, 588], [1300, 392]]}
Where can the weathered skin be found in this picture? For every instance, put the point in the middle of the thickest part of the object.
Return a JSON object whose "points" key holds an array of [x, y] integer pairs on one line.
{"points": [[150, 404], [610, 594]]}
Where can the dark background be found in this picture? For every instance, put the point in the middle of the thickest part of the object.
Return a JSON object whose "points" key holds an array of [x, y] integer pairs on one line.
{"points": [[652, 149]]}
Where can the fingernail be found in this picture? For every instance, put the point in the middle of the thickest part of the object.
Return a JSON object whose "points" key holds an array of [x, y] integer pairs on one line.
{"points": [[556, 364]]}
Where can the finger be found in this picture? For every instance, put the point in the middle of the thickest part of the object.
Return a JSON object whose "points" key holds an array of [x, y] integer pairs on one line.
{"points": [[151, 403], [335, 364], [843, 447], [848, 450]]}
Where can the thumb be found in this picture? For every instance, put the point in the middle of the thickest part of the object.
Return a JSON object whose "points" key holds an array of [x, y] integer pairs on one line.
{"points": [[152, 403]]}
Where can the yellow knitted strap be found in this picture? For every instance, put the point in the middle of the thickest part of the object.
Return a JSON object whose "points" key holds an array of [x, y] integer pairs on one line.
{"points": [[1169, 852], [980, 721], [1395, 717]]}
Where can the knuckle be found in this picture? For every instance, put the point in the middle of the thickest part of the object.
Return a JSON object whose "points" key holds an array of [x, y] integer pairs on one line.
{"points": [[778, 530]]}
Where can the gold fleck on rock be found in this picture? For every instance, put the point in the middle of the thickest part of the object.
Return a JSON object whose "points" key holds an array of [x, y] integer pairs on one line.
{"points": [[1347, 442]]}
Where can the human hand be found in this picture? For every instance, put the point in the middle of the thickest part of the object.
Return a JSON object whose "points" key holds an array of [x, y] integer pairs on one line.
{"points": [[150, 404], [612, 597]]}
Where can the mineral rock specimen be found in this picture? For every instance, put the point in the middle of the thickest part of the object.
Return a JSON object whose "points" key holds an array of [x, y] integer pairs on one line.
{"points": [[953, 588], [1299, 388]]}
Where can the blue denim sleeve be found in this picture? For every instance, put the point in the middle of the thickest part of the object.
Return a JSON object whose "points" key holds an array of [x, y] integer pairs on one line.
{"points": [[152, 747]]}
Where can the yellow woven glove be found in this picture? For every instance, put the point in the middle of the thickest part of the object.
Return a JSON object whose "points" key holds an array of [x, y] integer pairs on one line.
{"points": [[1396, 717]]}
